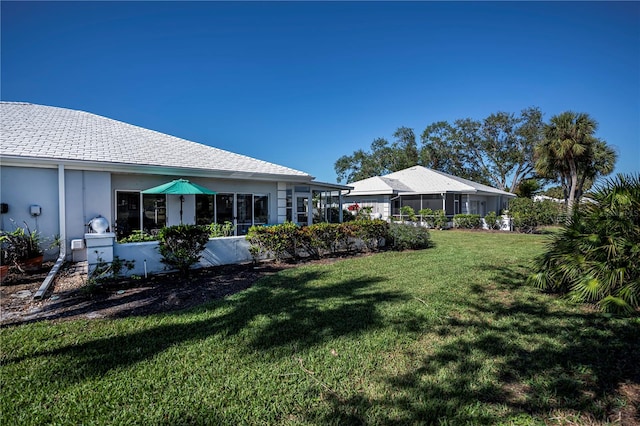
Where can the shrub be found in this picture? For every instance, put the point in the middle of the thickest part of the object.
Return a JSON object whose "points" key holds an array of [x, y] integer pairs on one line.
{"points": [[372, 232], [403, 237], [290, 241], [493, 221], [427, 217], [138, 236], [467, 221], [408, 213], [440, 220], [277, 240], [528, 215], [217, 230], [595, 257], [181, 245]]}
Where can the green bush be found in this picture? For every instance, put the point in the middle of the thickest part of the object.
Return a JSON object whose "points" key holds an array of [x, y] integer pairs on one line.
{"points": [[528, 215], [440, 220], [595, 258], [404, 236], [181, 245], [278, 241], [372, 232], [427, 217], [138, 236], [217, 230], [290, 241], [493, 221], [408, 213], [467, 221]]}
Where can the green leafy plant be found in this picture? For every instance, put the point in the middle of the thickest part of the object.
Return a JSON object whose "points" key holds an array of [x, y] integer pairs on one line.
{"points": [[427, 217], [408, 213], [492, 220], [595, 257], [217, 230], [529, 215], [138, 236], [467, 221], [403, 236], [278, 241], [23, 243], [181, 245], [440, 220]]}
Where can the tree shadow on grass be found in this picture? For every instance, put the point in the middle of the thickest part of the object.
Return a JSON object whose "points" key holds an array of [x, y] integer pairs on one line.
{"points": [[290, 310], [508, 358]]}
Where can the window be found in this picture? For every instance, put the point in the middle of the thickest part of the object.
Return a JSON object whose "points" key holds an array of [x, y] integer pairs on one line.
{"points": [[289, 205], [205, 209], [136, 211], [127, 212], [155, 212], [224, 208], [260, 209]]}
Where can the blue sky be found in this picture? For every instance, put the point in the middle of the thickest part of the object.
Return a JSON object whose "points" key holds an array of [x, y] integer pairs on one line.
{"points": [[303, 83]]}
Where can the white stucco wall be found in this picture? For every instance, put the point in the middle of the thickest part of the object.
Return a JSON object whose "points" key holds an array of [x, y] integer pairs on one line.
{"points": [[218, 251], [21, 187], [87, 195]]}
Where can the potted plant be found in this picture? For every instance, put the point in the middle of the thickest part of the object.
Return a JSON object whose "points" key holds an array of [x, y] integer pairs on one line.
{"points": [[5, 256], [24, 245]]}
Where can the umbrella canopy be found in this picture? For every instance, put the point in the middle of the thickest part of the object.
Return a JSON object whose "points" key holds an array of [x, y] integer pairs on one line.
{"points": [[179, 187]]}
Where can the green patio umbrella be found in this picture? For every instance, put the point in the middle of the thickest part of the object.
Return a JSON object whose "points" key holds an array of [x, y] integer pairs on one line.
{"points": [[179, 187]]}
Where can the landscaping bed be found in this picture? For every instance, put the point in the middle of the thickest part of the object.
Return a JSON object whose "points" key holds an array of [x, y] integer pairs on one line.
{"points": [[71, 298]]}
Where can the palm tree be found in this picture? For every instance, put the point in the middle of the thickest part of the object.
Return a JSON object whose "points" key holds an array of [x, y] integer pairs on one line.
{"points": [[572, 154], [596, 256]]}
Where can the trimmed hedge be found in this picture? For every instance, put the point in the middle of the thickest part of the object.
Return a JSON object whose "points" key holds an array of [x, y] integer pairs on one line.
{"points": [[293, 242], [181, 246]]}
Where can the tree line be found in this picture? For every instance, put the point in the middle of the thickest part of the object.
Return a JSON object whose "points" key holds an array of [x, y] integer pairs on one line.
{"points": [[511, 152]]}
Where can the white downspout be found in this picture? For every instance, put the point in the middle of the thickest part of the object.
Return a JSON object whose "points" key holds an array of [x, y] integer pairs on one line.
{"points": [[62, 203]]}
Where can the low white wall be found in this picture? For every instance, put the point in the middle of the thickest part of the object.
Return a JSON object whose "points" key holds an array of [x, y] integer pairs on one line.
{"points": [[218, 251]]}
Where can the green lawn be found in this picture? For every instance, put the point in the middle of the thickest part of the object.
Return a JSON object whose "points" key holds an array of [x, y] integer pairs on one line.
{"points": [[447, 335]]}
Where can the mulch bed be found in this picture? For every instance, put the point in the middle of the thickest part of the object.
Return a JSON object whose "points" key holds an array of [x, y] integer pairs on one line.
{"points": [[71, 298]]}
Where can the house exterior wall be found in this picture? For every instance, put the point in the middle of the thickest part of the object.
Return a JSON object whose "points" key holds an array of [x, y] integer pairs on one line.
{"points": [[379, 204], [87, 196], [22, 187], [467, 203]]}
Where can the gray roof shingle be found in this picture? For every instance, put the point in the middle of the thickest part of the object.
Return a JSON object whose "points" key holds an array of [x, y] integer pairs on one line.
{"points": [[420, 180], [45, 132]]}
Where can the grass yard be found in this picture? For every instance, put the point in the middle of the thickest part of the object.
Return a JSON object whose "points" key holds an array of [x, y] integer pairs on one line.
{"points": [[442, 336]]}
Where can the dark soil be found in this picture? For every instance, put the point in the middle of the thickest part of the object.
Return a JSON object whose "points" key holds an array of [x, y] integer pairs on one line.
{"points": [[70, 297]]}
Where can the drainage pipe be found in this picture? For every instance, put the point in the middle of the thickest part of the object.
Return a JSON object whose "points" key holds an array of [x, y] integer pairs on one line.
{"points": [[62, 203]]}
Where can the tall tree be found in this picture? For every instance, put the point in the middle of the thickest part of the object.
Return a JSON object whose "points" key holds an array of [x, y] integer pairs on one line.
{"points": [[571, 154], [383, 158], [497, 150]]}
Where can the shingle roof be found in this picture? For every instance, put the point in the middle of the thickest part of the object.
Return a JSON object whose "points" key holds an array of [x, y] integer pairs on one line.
{"points": [[45, 132], [420, 180]]}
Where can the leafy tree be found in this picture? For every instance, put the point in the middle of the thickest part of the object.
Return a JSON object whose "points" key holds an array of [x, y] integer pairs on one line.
{"points": [[554, 192], [528, 188], [383, 158], [490, 151], [596, 256], [572, 155]]}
